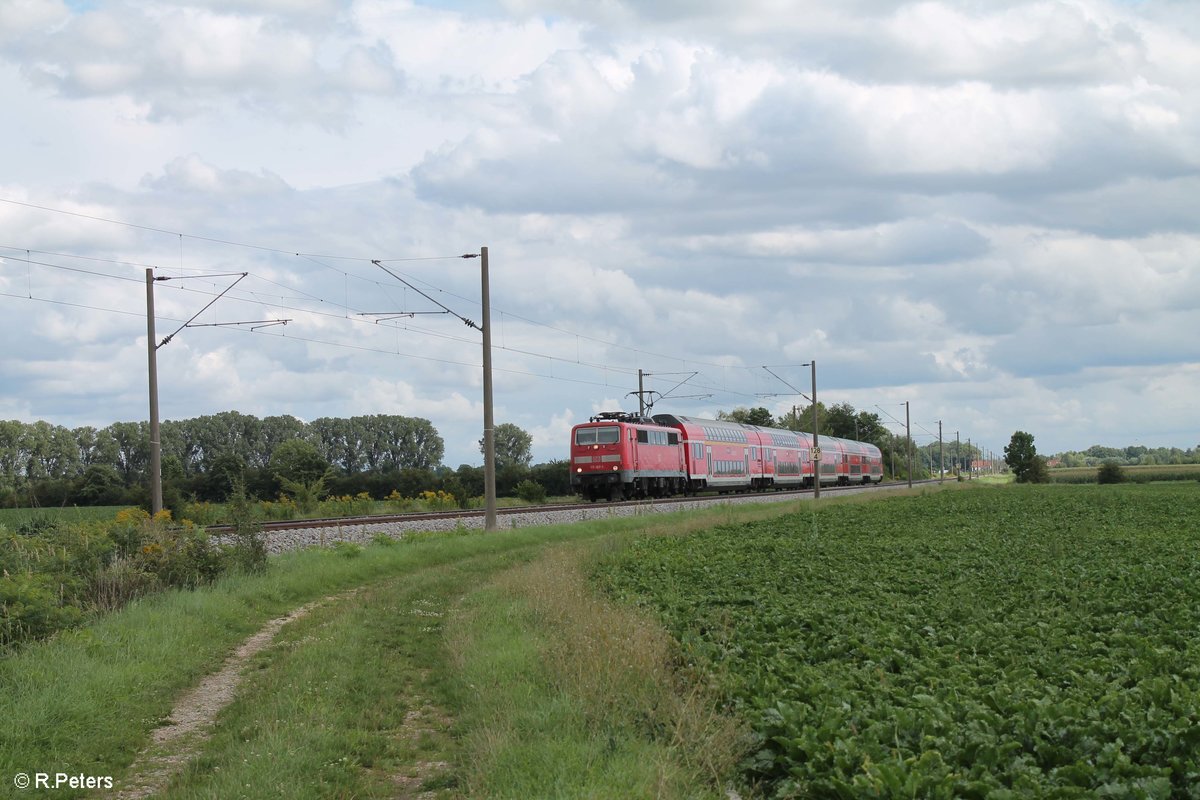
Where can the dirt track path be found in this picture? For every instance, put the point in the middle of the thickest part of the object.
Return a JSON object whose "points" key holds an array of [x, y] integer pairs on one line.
{"points": [[192, 718]]}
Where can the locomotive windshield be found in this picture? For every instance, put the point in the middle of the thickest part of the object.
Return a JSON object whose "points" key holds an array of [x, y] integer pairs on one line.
{"points": [[607, 435]]}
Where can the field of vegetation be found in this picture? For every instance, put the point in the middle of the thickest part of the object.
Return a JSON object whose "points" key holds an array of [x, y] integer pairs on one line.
{"points": [[996, 642], [974, 641], [1151, 473]]}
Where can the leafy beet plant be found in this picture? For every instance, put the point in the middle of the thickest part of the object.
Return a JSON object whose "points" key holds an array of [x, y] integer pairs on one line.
{"points": [[991, 643]]}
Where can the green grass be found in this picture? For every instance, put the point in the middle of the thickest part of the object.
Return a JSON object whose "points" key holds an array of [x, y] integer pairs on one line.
{"points": [[568, 695], [87, 700], [12, 517], [996, 642], [347, 702]]}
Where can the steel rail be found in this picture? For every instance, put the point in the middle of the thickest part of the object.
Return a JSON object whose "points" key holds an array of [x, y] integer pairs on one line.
{"points": [[471, 513]]}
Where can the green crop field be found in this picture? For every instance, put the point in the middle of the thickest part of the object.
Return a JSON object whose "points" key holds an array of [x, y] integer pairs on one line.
{"points": [[13, 517], [1136, 474], [1025, 641]]}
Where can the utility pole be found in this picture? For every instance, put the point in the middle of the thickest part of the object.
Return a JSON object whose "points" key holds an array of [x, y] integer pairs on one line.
{"points": [[156, 502], [970, 461], [957, 455], [908, 433], [941, 456], [489, 425], [816, 436], [152, 346], [641, 394], [815, 452]]}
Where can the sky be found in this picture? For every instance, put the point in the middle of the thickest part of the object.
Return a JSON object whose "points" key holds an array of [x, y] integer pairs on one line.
{"points": [[988, 210]]}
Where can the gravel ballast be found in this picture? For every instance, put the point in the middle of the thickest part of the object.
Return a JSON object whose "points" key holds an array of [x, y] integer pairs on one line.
{"points": [[279, 541]]}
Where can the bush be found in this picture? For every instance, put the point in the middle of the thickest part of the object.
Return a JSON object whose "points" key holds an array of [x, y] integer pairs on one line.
{"points": [[360, 505], [202, 513], [1037, 472], [181, 557], [1110, 472], [398, 502], [305, 494], [99, 485], [438, 501], [54, 573], [249, 551], [531, 491], [118, 583], [30, 608], [347, 549], [284, 508], [554, 475]]}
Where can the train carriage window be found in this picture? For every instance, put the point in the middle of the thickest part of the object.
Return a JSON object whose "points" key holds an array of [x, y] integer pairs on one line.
{"points": [[672, 438], [643, 437]]}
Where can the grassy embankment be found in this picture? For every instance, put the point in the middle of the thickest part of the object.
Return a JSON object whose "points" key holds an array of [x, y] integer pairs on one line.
{"points": [[460, 648]]}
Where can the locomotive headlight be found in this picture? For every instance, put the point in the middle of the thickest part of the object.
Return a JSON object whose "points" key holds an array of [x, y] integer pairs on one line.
{"points": [[579, 469], [615, 468]]}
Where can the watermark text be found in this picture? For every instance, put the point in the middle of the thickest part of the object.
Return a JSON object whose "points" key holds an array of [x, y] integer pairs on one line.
{"points": [[61, 780]]}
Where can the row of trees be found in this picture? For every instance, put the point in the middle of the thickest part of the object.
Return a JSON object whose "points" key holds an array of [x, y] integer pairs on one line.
{"points": [[1128, 456], [204, 457], [378, 442]]}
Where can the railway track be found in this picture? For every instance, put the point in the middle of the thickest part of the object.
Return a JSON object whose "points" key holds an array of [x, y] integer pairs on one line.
{"points": [[414, 520]]}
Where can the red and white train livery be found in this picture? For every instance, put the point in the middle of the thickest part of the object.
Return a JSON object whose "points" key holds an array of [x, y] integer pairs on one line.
{"points": [[621, 456]]}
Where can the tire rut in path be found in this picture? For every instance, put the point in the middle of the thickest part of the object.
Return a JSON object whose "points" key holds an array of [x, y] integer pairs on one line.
{"points": [[192, 718]]}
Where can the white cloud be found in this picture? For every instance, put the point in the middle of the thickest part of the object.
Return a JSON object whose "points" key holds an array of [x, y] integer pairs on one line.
{"points": [[986, 209]]}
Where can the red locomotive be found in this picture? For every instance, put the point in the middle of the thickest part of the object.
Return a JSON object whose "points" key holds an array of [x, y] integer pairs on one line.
{"points": [[622, 456]]}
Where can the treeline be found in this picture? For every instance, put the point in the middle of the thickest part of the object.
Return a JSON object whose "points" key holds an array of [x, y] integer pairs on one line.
{"points": [[33, 451], [203, 457], [1133, 455]]}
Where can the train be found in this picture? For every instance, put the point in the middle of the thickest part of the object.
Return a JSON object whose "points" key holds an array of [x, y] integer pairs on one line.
{"points": [[618, 455]]}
